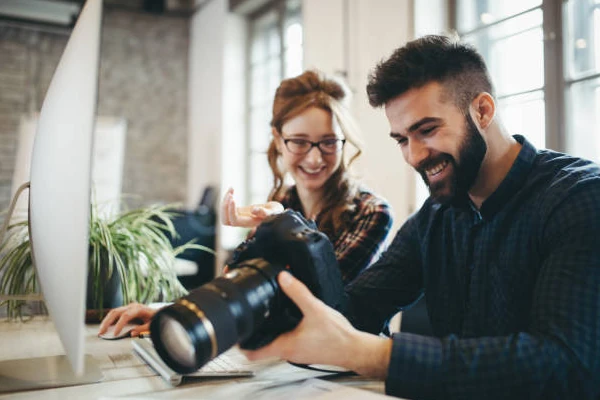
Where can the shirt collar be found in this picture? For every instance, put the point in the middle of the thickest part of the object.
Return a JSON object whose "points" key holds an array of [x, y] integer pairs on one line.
{"points": [[514, 180]]}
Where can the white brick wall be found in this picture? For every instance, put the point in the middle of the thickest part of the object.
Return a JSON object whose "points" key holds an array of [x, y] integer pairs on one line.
{"points": [[143, 78]]}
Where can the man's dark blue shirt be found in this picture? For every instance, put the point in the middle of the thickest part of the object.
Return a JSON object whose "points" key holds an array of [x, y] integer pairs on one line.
{"points": [[513, 289]]}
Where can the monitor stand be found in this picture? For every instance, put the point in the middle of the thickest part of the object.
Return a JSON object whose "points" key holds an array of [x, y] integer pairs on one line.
{"points": [[42, 372], [45, 372]]}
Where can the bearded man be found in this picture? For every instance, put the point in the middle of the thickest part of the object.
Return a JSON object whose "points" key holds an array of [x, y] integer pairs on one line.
{"points": [[506, 249]]}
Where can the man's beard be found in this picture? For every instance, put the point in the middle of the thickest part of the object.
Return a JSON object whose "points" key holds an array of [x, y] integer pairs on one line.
{"points": [[454, 190]]}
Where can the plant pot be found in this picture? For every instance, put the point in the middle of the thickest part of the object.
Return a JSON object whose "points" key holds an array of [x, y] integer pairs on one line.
{"points": [[109, 293]]}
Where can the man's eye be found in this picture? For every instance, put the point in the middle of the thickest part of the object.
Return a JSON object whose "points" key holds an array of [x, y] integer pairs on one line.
{"points": [[401, 141], [427, 131], [329, 142]]}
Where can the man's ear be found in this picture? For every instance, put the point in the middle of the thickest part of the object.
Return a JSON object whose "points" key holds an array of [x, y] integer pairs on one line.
{"points": [[483, 109]]}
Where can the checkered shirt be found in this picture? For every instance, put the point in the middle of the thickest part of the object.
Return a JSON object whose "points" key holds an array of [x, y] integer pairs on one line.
{"points": [[512, 289], [362, 242]]}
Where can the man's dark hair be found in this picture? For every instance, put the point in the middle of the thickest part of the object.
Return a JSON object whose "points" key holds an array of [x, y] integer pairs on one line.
{"points": [[434, 58]]}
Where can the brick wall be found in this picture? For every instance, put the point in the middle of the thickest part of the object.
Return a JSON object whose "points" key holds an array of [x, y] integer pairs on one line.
{"points": [[143, 78]]}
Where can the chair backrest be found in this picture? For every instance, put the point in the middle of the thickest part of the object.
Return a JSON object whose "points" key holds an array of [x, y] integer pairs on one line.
{"points": [[416, 319]]}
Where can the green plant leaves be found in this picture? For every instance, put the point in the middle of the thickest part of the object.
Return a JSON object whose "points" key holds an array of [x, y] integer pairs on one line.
{"points": [[133, 244]]}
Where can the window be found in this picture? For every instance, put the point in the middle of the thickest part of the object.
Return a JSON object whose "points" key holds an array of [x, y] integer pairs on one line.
{"points": [[544, 57], [275, 53], [509, 35], [581, 20]]}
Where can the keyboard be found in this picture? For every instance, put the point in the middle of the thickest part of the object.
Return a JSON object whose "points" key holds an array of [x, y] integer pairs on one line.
{"points": [[228, 364]]}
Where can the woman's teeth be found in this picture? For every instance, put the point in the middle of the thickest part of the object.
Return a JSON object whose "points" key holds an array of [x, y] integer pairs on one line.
{"points": [[311, 171]]}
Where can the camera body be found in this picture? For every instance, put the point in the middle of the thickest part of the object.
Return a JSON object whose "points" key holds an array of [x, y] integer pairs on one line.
{"points": [[290, 241], [246, 305]]}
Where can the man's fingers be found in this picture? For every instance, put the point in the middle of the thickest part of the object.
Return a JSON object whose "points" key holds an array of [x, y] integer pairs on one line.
{"points": [[263, 352], [273, 349], [297, 292]]}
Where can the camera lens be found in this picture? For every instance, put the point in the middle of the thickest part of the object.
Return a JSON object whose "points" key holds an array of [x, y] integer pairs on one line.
{"points": [[180, 344], [217, 315]]}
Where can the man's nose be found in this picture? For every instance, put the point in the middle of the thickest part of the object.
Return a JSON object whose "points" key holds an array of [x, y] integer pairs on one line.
{"points": [[417, 152]]}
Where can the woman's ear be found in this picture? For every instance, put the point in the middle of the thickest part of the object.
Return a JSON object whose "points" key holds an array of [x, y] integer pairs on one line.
{"points": [[483, 109], [277, 139]]}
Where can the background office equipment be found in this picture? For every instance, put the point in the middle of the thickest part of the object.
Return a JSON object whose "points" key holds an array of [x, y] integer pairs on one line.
{"points": [[59, 204], [197, 225], [108, 158], [416, 319]]}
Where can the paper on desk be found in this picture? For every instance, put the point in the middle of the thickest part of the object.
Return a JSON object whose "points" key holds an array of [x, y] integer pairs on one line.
{"points": [[315, 389], [311, 389]]}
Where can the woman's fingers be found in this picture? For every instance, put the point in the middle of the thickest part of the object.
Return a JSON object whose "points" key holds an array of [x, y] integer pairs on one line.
{"points": [[247, 216], [140, 329], [264, 210], [121, 316], [110, 318], [275, 207], [232, 212], [228, 202]]}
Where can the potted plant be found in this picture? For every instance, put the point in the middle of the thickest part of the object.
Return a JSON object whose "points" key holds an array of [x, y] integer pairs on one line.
{"points": [[131, 259]]}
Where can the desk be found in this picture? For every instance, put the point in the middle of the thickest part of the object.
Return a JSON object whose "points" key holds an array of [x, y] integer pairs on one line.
{"points": [[125, 376]]}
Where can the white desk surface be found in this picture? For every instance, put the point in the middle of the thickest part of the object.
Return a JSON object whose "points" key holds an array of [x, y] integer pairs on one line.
{"points": [[126, 377]]}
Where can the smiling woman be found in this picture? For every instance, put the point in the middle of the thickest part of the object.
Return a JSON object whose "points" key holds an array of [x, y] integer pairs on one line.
{"points": [[311, 126], [312, 130]]}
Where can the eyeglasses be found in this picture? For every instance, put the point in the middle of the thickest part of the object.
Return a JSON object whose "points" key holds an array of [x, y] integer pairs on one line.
{"points": [[303, 146]]}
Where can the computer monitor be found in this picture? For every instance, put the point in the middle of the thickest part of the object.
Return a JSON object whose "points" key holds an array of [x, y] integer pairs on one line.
{"points": [[59, 204]]}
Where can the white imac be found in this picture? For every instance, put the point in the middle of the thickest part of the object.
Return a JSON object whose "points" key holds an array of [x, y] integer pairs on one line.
{"points": [[59, 208]]}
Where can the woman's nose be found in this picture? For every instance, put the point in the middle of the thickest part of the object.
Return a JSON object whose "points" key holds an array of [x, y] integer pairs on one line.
{"points": [[314, 155]]}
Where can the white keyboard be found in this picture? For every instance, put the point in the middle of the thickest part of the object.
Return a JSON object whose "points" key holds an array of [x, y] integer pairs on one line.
{"points": [[225, 365]]}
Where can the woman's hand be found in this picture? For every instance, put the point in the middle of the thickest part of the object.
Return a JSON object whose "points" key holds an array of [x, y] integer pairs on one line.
{"points": [[248, 216], [122, 316]]}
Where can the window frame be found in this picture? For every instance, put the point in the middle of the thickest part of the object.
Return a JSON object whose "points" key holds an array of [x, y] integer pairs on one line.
{"points": [[283, 15], [556, 82]]}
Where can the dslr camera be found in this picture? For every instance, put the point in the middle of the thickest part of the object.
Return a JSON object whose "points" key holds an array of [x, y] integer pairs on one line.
{"points": [[246, 306]]}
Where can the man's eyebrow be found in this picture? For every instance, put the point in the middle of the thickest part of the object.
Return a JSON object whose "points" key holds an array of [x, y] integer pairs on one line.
{"points": [[422, 122], [302, 135], [415, 126]]}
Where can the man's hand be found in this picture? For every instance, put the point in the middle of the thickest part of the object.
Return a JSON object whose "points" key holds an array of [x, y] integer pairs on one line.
{"points": [[122, 316], [248, 216], [324, 336]]}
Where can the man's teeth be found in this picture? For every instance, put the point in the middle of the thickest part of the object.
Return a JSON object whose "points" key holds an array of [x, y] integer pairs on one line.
{"points": [[437, 168]]}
